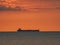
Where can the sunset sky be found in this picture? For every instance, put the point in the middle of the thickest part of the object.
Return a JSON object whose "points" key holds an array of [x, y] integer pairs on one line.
{"points": [[34, 14]]}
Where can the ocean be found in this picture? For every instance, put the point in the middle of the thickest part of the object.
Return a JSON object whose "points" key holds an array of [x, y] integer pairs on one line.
{"points": [[29, 38]]}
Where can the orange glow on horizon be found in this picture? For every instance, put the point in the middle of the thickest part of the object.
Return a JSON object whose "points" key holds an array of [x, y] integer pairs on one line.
{"points": [[41, 15]]}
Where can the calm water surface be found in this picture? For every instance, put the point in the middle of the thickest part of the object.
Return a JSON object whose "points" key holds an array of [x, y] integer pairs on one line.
{"points": [[29, 38]]}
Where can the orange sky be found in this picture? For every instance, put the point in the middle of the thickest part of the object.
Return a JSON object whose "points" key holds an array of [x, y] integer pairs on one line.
{"points": [[35, 14]]}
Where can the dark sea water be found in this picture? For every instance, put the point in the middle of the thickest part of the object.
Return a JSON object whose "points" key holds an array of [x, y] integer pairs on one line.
{"points": [[29, 38]]}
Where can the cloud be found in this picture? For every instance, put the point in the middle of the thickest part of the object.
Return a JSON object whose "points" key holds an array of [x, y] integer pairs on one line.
{"points": [[4, 8], [57, 7]]}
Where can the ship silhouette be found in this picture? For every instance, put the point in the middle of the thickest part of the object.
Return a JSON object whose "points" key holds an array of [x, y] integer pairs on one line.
{"points": [[20, 30]]}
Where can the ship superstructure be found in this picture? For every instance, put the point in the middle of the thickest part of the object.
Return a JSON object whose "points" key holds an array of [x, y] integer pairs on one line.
{"points": [[20, 30]]}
